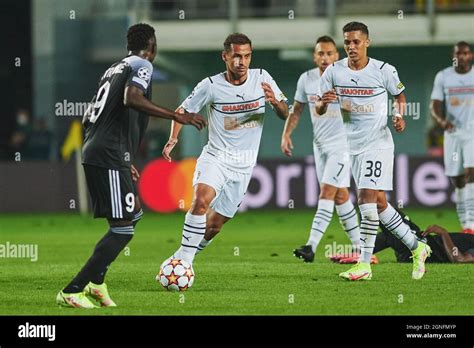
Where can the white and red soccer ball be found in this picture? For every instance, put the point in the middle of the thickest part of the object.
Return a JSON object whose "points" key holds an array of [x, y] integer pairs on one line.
{"points": [[176, 275]]}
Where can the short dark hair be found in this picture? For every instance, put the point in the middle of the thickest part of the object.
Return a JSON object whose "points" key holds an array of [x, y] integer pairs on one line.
{"points": [[462, 44], [354, 26], [325, 38], [237, 39], [138, 36]]}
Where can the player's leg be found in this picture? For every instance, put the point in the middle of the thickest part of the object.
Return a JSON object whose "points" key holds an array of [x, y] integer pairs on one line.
{"points": [[453, 168], [348, 217], [226, 204], [332, 169], [209, 178], [468, 166], [369, 173], [469, 199], [195, 222], [214, 224], [321, 220], [460, 197], [97, 289], [113, 195], [392, 220]]}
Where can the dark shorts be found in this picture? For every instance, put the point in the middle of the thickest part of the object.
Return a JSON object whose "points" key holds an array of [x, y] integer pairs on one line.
{"points": [[112, 192]]}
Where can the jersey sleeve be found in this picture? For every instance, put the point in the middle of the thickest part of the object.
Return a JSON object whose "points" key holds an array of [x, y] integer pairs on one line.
{"points": [[279, 95], [199, 97], [326, 83], [391, 80], [300, 95], [438, 92], [140, 75]]}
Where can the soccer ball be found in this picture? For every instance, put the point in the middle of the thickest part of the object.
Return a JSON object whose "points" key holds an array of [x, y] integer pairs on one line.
{"points": [[176, 275]]}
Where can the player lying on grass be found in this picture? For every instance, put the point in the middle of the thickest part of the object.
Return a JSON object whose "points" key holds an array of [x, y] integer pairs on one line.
{"points": [[236, 104], [361, 85], [114, 128], [452, 108], [446, 247], [331, 153]]}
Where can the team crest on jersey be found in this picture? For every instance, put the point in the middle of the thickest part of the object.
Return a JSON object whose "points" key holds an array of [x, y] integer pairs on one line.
{"points": [[400, 85], [144, 73]]}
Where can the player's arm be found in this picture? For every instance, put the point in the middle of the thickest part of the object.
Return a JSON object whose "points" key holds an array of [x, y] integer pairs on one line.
{"points": [[279, 106], [328, 93], [437, 104], [174, 133], [134, 98], [322, 103], [290, 125], [199, 97], [454, 255], [399, 107], [437, 114]]}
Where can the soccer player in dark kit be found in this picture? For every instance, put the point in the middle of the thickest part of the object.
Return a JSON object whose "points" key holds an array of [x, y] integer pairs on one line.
{"points": [[114, 127]]}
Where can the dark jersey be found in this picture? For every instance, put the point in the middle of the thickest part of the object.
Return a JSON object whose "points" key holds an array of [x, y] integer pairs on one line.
{"points": [[463, 241], [113, 132]]}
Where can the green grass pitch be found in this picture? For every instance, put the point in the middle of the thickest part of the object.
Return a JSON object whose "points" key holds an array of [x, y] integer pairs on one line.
{"points": [[264, 279]]}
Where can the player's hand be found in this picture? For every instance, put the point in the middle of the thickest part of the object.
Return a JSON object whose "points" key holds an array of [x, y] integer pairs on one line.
{"points": [[269, 94], [168, 148], [446, 125], [192, 119], [135, 173], [398, 123], [435, 229], [286, 145], [329, 97]]}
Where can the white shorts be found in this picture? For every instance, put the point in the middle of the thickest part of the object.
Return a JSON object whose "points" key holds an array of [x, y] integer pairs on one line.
{"points": [[373, 169], [458, 153], [332, 167], [230, 186]]}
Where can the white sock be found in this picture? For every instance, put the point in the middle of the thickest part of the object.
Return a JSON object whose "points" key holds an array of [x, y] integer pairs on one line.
{"points": [[469, 204], [204, 243], [369, 226], [392, 220], [321, 221], [350, 223], [193, 232], [461, 205]]}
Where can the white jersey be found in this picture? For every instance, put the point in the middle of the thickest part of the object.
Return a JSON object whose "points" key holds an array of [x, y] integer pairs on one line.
{"points": [[363, 97], [328, 129], [457, 92], [235, 114]]}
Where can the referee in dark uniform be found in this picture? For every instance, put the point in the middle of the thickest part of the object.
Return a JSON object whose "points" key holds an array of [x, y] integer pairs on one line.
{"points": [[114, 127]]}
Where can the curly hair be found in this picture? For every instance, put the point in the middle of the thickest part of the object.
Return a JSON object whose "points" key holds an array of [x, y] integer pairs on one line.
{"points": [[138, 36]]}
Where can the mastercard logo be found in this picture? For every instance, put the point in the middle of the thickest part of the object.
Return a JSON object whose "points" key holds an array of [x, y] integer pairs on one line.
{"points": [[167, 186]]}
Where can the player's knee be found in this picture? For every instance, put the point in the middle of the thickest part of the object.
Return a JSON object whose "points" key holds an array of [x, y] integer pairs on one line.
{"points": [[469, 176], [342, 196], [199, 206], [459, 181], [328, 192]]}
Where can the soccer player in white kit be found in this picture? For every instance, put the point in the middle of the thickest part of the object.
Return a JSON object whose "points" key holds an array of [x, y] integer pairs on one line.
{"points": [[361, 84], [236, 105], [452, 107], [331, 153]]}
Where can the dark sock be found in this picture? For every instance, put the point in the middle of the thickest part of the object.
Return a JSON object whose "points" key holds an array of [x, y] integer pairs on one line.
{"points": [[105, 252]]}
